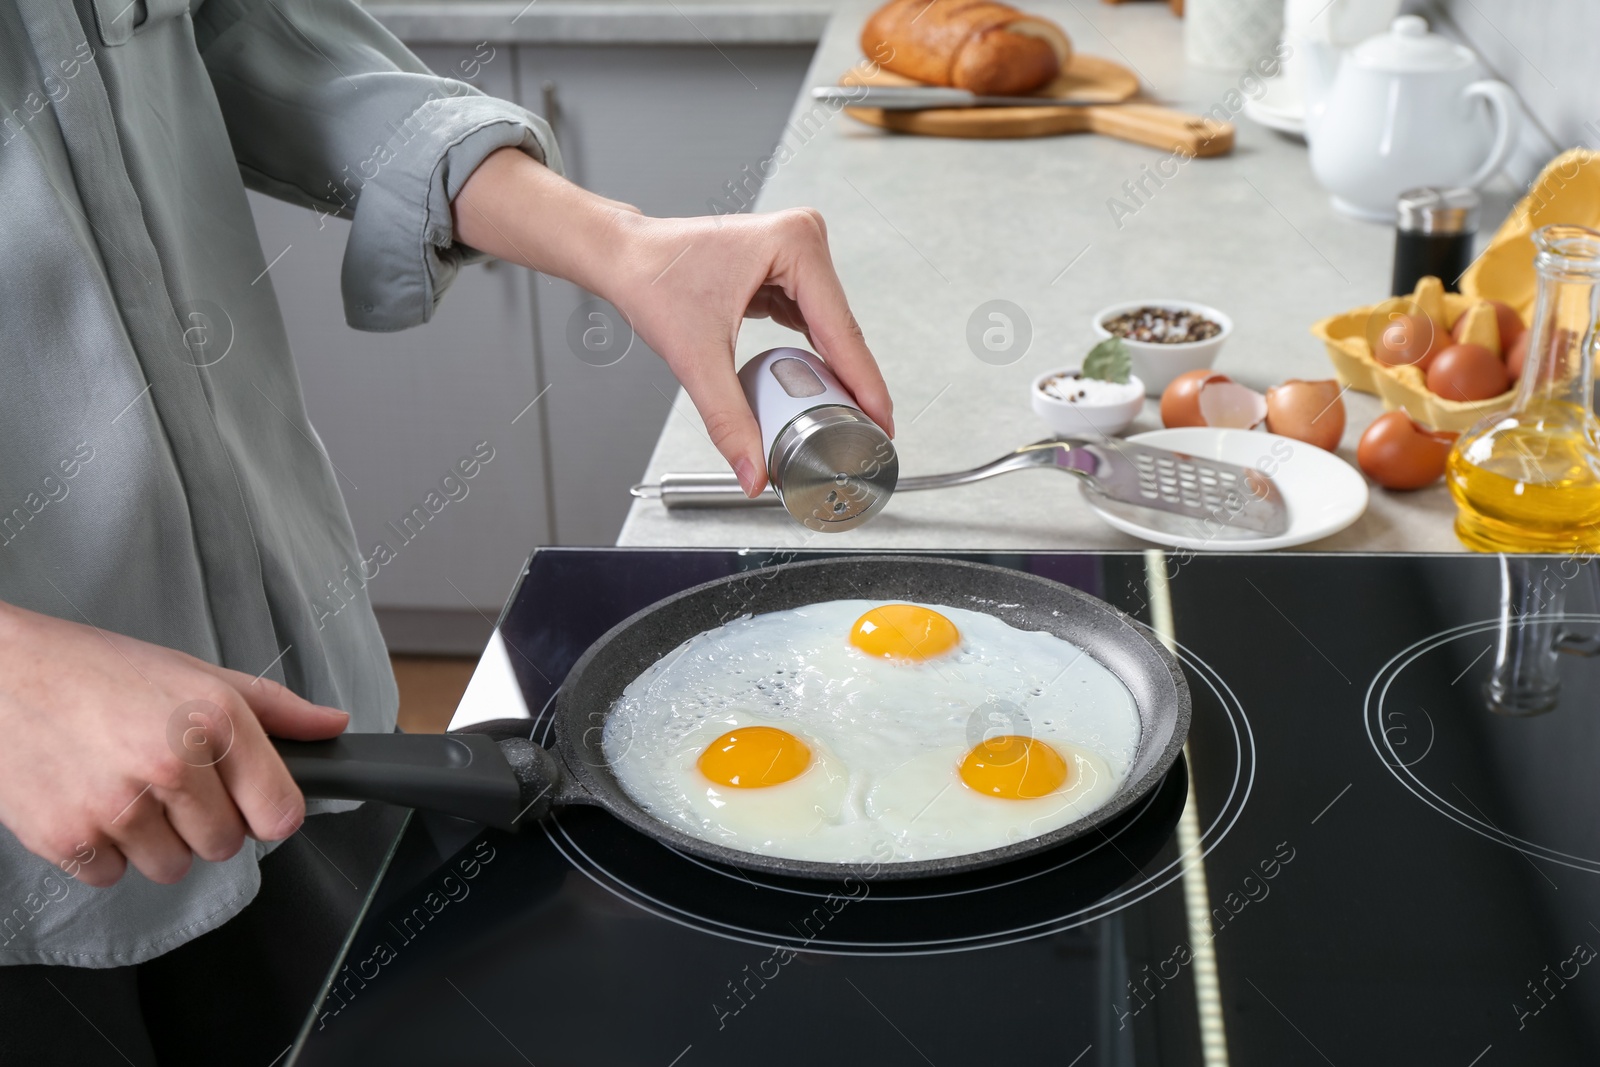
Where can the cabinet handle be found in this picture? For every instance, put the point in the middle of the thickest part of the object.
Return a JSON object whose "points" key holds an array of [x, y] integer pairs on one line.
{"points": [[552, 108]]}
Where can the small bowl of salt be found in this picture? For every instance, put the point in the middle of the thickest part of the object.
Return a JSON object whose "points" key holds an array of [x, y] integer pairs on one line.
{"points": [[1077, 406]]}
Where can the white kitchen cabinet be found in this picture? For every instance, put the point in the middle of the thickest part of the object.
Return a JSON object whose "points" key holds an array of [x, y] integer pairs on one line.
{"points": [[663, 127]]}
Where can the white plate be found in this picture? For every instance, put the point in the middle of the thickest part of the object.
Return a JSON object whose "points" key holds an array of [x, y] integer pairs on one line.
{"points": [[1323, 493], [1279, 108]]}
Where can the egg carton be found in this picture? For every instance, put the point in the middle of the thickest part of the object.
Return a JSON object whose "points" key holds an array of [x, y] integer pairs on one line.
{"points": [[1567, 190], [1403, 388]]}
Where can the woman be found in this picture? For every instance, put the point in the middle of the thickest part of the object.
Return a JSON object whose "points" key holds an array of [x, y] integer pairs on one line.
{"points": [[165, 527]]}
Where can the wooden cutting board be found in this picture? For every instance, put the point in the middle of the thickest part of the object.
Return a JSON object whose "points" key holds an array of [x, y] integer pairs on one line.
{"points": [[1086, 76]]}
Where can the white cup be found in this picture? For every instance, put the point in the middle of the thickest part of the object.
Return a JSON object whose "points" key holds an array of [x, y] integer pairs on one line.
{"points": [[1231, 34]]}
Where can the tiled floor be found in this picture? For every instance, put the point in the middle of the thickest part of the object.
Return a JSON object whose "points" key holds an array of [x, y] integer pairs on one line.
{"points": [[430, 688]]}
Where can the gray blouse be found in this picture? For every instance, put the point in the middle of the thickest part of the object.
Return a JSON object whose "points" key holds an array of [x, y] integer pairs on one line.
{"points": [[154, 482]]}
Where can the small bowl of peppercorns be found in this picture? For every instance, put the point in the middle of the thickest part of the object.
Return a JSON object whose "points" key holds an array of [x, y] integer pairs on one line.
{"points": [[1165, 338]]}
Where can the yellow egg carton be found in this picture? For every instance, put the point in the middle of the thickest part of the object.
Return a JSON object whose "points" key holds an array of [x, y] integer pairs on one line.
{"points": [[1347, 337], [1568, 190]]}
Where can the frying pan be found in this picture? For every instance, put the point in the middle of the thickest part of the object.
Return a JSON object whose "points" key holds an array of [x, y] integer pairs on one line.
{"points": [[512, 782]]}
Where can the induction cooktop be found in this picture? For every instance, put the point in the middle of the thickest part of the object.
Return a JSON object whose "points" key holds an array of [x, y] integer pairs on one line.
{"points": [[1381, 847]]}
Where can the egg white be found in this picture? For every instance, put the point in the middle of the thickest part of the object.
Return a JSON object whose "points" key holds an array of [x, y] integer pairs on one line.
{"points": [[887, 737], [926, 797], [759, 817]]}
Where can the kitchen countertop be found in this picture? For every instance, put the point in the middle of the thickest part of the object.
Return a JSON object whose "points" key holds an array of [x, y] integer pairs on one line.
{"points": [[924, 230]]}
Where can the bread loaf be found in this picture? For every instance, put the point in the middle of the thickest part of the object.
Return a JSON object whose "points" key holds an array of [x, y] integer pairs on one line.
{"points": [[988, 47]]}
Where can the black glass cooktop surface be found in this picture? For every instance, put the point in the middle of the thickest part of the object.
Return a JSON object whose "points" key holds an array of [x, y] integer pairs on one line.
{"points": [[1382, 847]]}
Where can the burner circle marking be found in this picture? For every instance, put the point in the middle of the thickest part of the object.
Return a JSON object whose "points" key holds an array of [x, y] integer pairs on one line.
{"points": [[1378, 736]]}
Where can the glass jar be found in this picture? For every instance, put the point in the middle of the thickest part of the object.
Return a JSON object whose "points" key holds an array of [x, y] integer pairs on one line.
{"points": [[1528, 479]]}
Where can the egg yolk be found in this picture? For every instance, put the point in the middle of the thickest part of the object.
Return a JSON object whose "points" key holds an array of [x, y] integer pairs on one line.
{"points": [[754, 756], [904, 632], [1014, 768]]}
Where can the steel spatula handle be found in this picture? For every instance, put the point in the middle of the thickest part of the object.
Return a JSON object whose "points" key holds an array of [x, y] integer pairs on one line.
{"points": [[703, 491], [722, 490]]}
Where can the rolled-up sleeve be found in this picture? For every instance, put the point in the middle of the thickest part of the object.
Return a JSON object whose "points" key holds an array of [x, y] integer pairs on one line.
{"points": [[326, 108]]}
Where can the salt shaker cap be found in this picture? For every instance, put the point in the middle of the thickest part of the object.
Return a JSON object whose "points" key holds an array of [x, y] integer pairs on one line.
{"points": [[1431, 209]]}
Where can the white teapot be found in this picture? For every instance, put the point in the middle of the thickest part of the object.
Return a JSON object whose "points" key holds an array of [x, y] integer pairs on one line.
{"points": [[1400, 110]]}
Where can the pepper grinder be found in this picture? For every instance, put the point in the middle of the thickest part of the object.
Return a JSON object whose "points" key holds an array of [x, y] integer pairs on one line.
{"points": [[831, 466], [1433, 236]]}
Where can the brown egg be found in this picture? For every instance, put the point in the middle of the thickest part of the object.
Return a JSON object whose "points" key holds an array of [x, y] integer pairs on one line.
{"points": [[1409, 340], [1555, 357], [1397, 453], [1517, 355], [1312, 412], [1180, 401], [1467, 372], [1506, 320]]}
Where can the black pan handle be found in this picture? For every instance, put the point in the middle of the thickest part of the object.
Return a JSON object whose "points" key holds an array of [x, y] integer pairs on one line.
{"points": [[505, 784]]}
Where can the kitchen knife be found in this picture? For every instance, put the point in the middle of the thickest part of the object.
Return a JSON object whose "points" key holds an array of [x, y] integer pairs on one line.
{"points": [[922, 98]]}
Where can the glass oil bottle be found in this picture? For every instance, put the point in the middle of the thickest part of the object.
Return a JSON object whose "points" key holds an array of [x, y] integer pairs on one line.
{"points": [[1528, 479]]}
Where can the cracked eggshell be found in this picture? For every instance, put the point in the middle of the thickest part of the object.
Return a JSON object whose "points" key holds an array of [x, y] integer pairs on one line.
{"points": [[1180, 400], [1231, 406]]}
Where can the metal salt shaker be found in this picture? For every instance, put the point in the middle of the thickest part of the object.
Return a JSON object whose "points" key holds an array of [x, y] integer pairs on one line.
{"points": [[831, 466]]}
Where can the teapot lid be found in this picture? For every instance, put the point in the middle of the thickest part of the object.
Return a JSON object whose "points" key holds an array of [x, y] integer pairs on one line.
{"points": [[1408, 47]]}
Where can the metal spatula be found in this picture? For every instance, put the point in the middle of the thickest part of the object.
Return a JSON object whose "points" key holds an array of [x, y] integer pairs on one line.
{"points": [[1160, 482]]}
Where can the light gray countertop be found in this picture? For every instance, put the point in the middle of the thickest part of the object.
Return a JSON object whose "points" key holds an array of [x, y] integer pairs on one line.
{"points": [[924, 230]]}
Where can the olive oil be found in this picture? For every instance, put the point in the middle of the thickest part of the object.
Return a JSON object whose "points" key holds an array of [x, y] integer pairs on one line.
{"points": [[1535, 487], [1528, 479]]}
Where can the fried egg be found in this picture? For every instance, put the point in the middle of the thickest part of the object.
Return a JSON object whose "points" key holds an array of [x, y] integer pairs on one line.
{"points": [[746, 779], [823, 732], [963, 800]]}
